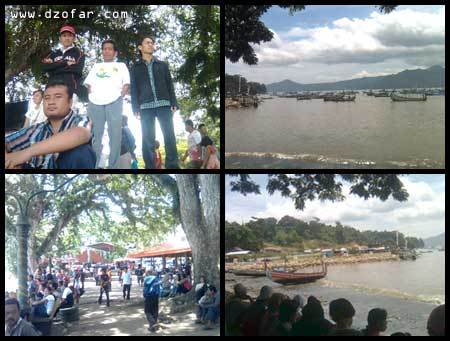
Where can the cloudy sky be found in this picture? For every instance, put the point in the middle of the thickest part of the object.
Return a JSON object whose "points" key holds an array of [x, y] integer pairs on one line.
{"points": [[423, 215], [333, 43]]}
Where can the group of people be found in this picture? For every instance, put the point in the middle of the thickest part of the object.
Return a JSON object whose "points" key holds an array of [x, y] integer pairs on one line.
{"points": [[275, 314], [48, 292], [207, 299], [56, 136]]}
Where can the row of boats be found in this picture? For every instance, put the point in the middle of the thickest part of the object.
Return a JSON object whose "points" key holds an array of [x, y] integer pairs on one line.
{"points": [[350, 97], [285, 276]]}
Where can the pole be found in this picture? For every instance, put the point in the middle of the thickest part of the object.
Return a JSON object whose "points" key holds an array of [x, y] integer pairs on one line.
{"points": [[23, 228]]}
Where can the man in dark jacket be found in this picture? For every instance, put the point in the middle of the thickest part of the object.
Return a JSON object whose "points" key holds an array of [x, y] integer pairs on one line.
{"points": [[153, 95], [65, 64]]}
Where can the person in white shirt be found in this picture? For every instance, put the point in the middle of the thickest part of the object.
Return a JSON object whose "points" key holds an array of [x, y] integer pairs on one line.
{"points": [[67, 297], [194, 149], [107, 83], [48, 300], [35, 113], [126, 278]]}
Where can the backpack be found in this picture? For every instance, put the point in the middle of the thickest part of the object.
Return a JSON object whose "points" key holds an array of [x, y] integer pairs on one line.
{"points": [[151, 288]]}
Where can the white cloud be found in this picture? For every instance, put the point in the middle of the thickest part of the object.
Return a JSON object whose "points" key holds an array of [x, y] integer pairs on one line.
{"points": [[415, 36], [423, 215]]}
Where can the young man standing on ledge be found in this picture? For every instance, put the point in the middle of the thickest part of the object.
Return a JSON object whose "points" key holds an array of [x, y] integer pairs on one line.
{"points": [[65, 64], [153, 95], [61, 142]]}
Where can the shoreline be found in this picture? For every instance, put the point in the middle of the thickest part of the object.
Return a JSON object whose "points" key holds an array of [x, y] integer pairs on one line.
{"points": [[239, 160], [304, 262]]}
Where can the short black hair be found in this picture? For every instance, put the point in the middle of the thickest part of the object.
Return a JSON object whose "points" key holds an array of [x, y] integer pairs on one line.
{"points": [[376, 315], [110, 41], [144, 36], [212, 288], [201, 125], [38, 90], [189, 123], [341, 309], [59, 82], [11, 301], [141, 39]]}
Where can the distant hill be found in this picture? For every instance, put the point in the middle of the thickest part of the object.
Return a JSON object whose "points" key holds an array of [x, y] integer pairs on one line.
{"points": [[433, 77], [436, 241]]}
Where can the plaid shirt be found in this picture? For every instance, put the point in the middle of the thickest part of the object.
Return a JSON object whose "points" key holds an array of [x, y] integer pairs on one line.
{"points": [[26, 137]]}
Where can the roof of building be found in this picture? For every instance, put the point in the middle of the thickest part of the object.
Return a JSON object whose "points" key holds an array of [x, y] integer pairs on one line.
{"points": [[164, 249]]}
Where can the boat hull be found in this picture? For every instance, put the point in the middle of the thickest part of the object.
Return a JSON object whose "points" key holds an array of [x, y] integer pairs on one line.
{"points": [[248, 273], [397, 98], [293, 278]]}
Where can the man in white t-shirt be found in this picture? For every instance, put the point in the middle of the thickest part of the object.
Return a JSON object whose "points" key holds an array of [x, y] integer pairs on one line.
{"points": [[35, 113], [194, 149], [67, 297], [107, 83]]}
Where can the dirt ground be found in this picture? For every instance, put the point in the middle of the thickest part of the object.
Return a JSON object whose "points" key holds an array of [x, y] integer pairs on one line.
{"points": [[126, 317]]}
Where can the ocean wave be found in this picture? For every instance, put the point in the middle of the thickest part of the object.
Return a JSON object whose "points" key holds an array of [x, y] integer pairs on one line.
{"points": [[434, 299], [270, 158]]}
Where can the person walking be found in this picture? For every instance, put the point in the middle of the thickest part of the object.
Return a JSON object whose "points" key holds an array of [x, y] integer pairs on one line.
{"points": [[151, 294], [126, 279], [105, 286]]}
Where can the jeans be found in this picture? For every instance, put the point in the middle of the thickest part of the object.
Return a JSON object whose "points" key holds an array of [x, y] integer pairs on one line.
{"points": [[126, 289], [81, 157], [111, 113], [165, 118], [212, 314]]}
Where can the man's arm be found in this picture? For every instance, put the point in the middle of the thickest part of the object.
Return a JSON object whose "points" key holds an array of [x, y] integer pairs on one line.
{"points": [[173, 99], [58, 143], [134, 93], [77, 66]]}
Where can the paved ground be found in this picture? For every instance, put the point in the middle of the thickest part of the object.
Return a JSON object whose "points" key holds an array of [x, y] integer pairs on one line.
{"points": [[127, 317]]}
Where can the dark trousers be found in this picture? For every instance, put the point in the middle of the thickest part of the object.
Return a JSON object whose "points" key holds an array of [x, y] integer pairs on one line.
{"points": [[106, 290], [151, 309], [140, 280], [81, 157], [126, 288], [165, 118]]}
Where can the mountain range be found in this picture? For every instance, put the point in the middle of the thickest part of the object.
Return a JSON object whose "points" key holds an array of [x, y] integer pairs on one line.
{"points": [[436, 241], [433, 77]]}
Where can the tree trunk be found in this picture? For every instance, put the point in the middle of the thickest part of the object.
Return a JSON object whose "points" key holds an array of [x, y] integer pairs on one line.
{"points": [[200, 219]]}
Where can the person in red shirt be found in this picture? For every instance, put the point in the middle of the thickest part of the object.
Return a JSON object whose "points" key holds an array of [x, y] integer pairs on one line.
{"points": [[158, 160]]}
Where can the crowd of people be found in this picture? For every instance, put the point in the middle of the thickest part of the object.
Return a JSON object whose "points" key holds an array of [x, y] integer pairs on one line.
{"points": [[56, 136], [275, 314], [47, 293]]}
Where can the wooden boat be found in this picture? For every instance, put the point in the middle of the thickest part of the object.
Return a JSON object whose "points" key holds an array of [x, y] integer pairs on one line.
{"points": [[339, 98], [303, 97], [248, 273], [286, 277], [381, 94], [397, 98]]}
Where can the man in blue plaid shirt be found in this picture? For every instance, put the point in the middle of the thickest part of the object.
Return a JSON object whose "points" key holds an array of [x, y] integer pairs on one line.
{"points": [[62, 142]]}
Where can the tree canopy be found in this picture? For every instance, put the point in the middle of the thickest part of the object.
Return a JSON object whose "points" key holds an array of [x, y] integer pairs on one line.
{"points": [[243, 28], [306, 187], [122, 210], [289, 231]]}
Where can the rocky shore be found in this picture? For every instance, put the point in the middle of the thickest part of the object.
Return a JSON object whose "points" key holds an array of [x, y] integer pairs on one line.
{"points": [[300, 262]]}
